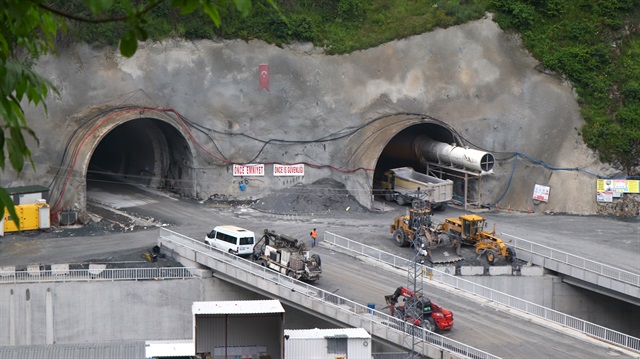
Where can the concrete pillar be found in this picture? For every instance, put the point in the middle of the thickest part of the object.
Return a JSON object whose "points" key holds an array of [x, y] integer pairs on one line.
{"points": [[49, 316], [12, 318], [27, 317]]}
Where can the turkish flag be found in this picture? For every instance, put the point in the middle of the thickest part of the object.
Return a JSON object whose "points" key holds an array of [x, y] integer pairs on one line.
{"points": [[263, 70]]}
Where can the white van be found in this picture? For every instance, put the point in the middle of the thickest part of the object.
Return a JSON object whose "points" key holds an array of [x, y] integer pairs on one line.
{"points": [[232, 239]]}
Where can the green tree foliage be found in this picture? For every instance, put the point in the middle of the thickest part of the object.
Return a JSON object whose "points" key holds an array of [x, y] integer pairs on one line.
{"points": [[19, 21], [29, 29], [595, 45]]}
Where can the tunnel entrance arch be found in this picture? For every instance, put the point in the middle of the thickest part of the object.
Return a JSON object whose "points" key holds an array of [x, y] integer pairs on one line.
{"points": [[394, 141], [141, 146], [400, 150]]}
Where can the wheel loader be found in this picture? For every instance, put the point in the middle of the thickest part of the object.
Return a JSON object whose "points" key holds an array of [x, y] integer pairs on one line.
{"points": [[470, 229], [416, 229]]}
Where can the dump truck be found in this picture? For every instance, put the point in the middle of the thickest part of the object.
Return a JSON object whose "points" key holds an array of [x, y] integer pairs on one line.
{"points": [[405, 185], [470, 229], [419, 310], [288, 256], [417, 230]]}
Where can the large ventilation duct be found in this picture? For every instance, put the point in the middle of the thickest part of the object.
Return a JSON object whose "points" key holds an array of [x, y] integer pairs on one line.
{"points": [[456, 156]]}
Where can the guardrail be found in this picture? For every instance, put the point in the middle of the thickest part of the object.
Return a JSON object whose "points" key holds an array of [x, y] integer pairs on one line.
{"points": [[112, 274], [575, 261], [539, 311], [326, 298], [399, 355]]}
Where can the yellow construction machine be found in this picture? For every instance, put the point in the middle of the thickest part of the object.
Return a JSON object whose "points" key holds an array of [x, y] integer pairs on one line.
{"points": [[417, 230], [470, 229]]}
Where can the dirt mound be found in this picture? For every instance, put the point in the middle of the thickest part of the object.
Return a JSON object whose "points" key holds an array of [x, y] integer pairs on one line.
{"points": [[625, 208], [324, 195]]}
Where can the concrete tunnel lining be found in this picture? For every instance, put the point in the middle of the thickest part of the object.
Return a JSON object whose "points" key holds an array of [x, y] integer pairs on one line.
{"points": [[131, 150], [144, 146]]}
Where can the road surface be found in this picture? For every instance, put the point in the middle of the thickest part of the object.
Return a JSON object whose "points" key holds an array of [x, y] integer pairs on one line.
{"points": [[477, 324]]}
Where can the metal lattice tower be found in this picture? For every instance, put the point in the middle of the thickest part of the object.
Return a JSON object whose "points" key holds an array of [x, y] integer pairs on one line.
{"points": [[411, 308], [414, 284]]}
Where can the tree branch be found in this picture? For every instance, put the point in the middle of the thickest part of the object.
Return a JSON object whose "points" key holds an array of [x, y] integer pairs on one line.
{"points": [[98, 21]]}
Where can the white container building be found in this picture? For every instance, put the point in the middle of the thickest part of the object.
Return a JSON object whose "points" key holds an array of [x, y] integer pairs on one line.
{"points": [[340, 343], [251, 329]]}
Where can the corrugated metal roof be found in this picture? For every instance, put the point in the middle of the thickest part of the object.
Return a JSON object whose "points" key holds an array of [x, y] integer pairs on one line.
{"points": [[327, 333], [109, 350], [238, 307]]}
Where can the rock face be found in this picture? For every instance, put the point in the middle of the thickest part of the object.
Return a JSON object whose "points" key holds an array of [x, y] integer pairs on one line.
{"points": [[474, 78]]}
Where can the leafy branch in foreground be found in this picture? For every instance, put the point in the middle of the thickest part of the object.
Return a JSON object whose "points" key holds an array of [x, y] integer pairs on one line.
{"points": [[28, 30]]}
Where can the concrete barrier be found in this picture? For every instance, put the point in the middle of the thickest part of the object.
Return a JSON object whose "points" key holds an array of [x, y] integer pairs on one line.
{"points": [[7, 271], [471, 270], [449, 269], [501, 270], [33, 269], [60, 269], [96, 269]]}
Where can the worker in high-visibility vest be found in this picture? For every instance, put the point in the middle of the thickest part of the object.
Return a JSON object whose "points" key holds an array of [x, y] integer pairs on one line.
{"points": [[314, 235]]}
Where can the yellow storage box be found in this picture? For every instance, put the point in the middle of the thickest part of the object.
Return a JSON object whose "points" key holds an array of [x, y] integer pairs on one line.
{"points": [[32, 216]]}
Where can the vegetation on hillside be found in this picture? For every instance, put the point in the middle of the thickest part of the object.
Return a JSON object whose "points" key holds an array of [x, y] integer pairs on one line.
{"points": [[596, 45], [593, 44]]}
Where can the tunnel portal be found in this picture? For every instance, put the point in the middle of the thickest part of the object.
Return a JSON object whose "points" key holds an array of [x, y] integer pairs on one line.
{"points": [[143, 151], [435, 149]]}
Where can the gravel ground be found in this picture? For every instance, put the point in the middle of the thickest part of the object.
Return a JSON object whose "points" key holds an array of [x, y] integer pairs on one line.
{"points": [[101, 222], [323, 196]]}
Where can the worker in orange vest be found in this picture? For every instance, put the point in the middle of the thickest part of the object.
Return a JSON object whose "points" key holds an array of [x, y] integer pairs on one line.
{"points": [[314, 235]]}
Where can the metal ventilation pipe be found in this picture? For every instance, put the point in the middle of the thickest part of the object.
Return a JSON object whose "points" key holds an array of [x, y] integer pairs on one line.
{"points": [[443, 153]]}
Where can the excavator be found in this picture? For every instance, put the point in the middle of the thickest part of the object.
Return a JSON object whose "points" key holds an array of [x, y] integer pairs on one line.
{"points": [[429, 315]]}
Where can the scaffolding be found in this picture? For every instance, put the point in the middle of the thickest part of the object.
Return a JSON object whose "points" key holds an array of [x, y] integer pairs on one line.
{"points": [[440, 170]]}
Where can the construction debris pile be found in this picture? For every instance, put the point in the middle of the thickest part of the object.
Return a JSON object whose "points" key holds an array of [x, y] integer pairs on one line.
{"points": [[322, 196]]}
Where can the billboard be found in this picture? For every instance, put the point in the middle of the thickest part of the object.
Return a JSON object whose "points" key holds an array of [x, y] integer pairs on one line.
{"points": [[608, 189], [618, 185]]}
